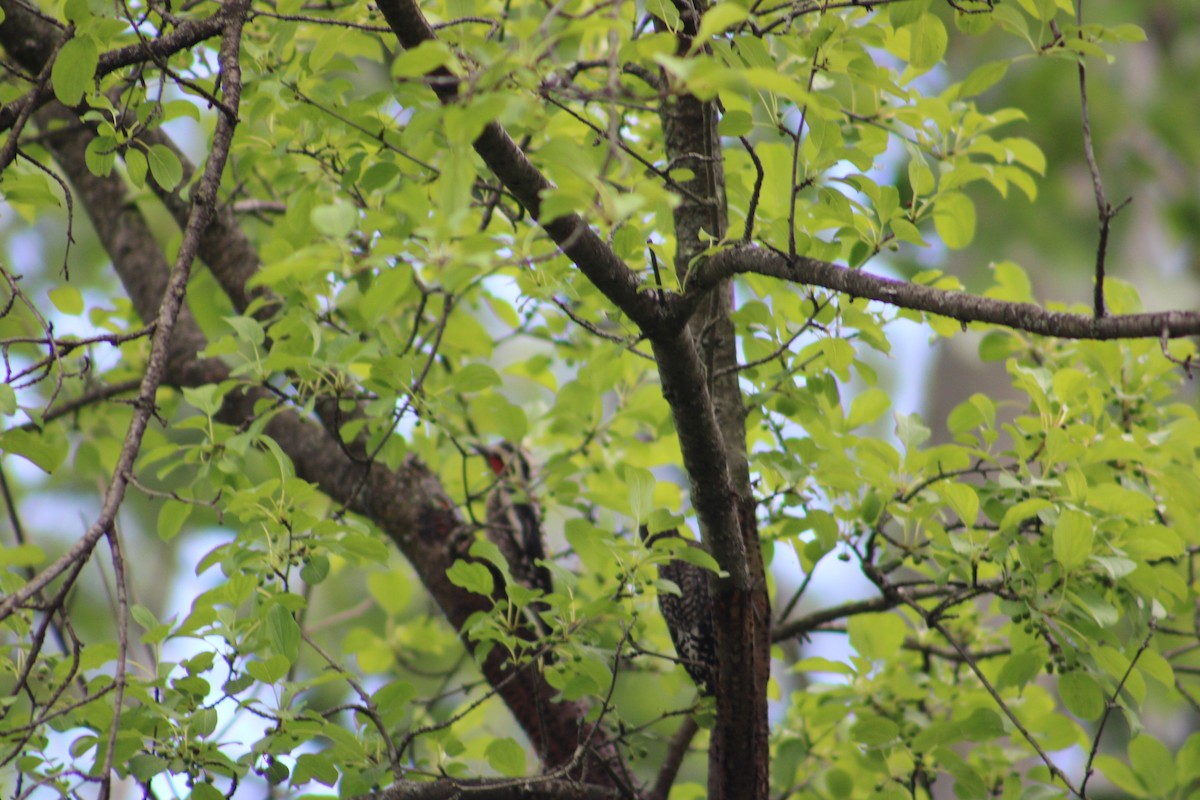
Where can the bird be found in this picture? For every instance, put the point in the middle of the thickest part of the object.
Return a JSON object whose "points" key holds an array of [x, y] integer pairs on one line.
{"points": [[688, 615], [514, 518]]}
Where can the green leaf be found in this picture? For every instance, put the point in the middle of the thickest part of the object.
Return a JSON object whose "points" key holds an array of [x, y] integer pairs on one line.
{"points": [[954, 219], [164, 166], [206, 791], [920, 176], [1187, 760], [475, 377], [506, 757], [143, 616], [315, 570], [101, 155], [47, 450], [145, 766], [839, 782], [876, 636], [67, 299], [1127, 32], [820, 664], [983, 78], [983, 724], [1153, 764], [205, 399], [393, 699], [136, 166], [422, 59], [270, 670], [1081, 695], [335, 221], [1151, 542], [1023, 511], [74, 69], [1153, 664], [928, 42], [1121, 776], [641, 491], [867, 407], [391, 590], [472, 576], [314, 767], [1043, 10], [283, 632], [699, 557], [902, 14], [8, 400], [1026, 153], [717, 20], [736, 123], [494, 413], [963, 500], [1073, 537], [935, 734], [1020, 669], [21, 555], [171, 517], [997, 346], [874, 730]]}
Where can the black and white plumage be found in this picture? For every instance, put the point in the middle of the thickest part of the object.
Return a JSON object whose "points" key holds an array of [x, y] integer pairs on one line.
{"points": [[514, 519], [689, 617]]}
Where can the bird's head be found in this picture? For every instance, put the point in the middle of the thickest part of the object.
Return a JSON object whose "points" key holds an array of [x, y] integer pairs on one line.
{"points": [[505, 460]]}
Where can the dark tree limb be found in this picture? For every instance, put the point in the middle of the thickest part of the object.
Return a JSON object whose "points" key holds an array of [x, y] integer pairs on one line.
{"points": [[512, 789], [25, 33], [698, 370], [745, 259], [570, 232], [678, 748], [709, 418]]}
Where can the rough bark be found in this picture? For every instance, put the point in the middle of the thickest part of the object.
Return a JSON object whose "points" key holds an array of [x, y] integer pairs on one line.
{"points": [[738, 758]]}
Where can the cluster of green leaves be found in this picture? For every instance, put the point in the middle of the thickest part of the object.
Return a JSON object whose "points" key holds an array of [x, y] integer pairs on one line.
{"points": [[1065, 517]]}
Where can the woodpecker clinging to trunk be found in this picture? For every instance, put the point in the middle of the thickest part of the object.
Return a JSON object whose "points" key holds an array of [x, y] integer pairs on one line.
{"points": [[514, 520], [688, 615]]}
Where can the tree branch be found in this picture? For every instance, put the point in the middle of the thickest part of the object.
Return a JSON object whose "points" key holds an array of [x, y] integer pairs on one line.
{"points": [[810, 622], [680, 742], [25, 34], [570, 232], [494, 789], [751, 259], [168, 311]]}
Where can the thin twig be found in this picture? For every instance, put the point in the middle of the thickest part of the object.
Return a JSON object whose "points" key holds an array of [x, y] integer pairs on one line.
{"points": [[1108, 709]]}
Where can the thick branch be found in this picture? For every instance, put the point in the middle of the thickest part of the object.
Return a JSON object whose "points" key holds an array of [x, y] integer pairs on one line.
{"points": [[698, 370], [29, 38], [804, 625], [686, 391], [530, 789], [964, 307], [571, 233], [673, 760], [225, 249]]}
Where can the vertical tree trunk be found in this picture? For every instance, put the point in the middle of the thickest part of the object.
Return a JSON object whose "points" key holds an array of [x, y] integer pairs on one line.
{"points": [[738, 755]]}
